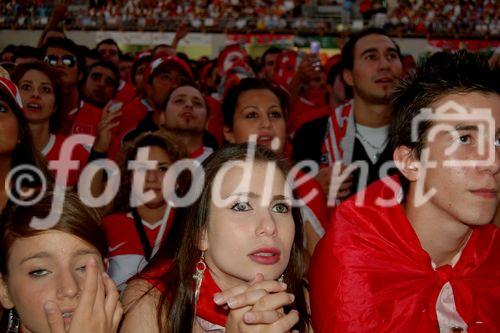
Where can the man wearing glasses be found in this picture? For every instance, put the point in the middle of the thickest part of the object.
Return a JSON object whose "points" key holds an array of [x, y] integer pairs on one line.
{"points": [[63, 55]]}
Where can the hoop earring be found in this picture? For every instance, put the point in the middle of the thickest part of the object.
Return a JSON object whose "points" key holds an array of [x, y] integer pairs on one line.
{"points": [[200, 267], [14, 323]]}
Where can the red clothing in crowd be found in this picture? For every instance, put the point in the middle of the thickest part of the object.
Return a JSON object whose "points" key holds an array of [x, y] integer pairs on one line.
{"points": [[315, 211], [126, 253], [132, 113], [369, 273], [84, 120], [210, 316], [201, 153], [126, 92], [52, 150], [215, 119], [306, 109]]}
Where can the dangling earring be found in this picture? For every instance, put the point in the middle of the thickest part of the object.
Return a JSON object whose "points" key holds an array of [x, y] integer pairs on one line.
{"points": [[198, 277], [13, 323], [281, 278]]}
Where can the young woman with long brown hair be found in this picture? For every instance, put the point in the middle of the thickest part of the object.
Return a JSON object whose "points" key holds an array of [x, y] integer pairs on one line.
{"points": [[221, 267]]}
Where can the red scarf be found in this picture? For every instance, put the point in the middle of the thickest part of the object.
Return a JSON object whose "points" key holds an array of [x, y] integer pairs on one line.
{"points": [[206, 308], [340, 134], [369, 273]]}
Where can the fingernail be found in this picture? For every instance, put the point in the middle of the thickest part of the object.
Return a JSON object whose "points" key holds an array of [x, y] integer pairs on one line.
{"points": [[292, 297], [283, 285], [49, 307], [231, 302], [249, 317], [218, 298], [105, 275]]}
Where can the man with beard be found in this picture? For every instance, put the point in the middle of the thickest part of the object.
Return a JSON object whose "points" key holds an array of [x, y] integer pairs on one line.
{"points": [[186, 116], [357, 130], [142, 114]]}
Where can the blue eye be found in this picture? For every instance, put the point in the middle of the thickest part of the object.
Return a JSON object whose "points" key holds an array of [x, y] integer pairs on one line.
{"points": [[241, 207], [81, 269], [497, 142], [281, 208], [38, 273]]}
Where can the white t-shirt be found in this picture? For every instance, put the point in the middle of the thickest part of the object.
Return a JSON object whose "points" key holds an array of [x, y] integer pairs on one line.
{"points": [[373, 139]]}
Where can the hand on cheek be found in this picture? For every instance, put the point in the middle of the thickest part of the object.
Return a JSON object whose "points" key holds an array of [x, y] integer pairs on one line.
{"points": [[99, 309]]}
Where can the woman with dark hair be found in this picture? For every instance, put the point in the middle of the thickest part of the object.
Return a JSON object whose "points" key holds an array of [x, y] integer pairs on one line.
{"points": [[53, 280], [16, 145], [223, 265], [41, 96], [136, 229], [256, 107]]}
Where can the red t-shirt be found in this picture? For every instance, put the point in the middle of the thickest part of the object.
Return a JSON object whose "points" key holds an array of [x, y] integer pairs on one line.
{"points": [[126, 92], [126, 253], [132, 113], [306, 109], [52, 150], [85, 119]]}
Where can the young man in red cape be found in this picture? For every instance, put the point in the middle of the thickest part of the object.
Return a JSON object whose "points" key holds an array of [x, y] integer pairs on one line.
{"points": [[420, 254]]}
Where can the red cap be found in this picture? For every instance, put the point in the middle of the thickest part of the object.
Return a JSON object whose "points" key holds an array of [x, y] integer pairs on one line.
{"points": [[10, 89], [222, 65], [142, 55], [159, 63]]}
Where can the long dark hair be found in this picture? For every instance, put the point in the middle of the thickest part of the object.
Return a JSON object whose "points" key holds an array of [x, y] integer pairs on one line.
{"points": [[25, 153], [49, 71], [181, 247], [231, 100]]}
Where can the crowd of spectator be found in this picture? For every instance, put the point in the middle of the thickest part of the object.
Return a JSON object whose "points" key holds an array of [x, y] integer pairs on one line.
{"points": [[410, 17], [462, 17]]}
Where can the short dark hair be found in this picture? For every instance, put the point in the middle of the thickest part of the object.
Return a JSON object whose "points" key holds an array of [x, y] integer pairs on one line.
{"points": [[68, 45], [24, 51], [109, 41], [126, 57], [89, 53], [106, 64], [441, 75], [234, 93], [347, 58], [332, 74], [271, 50], [9, 48]]}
